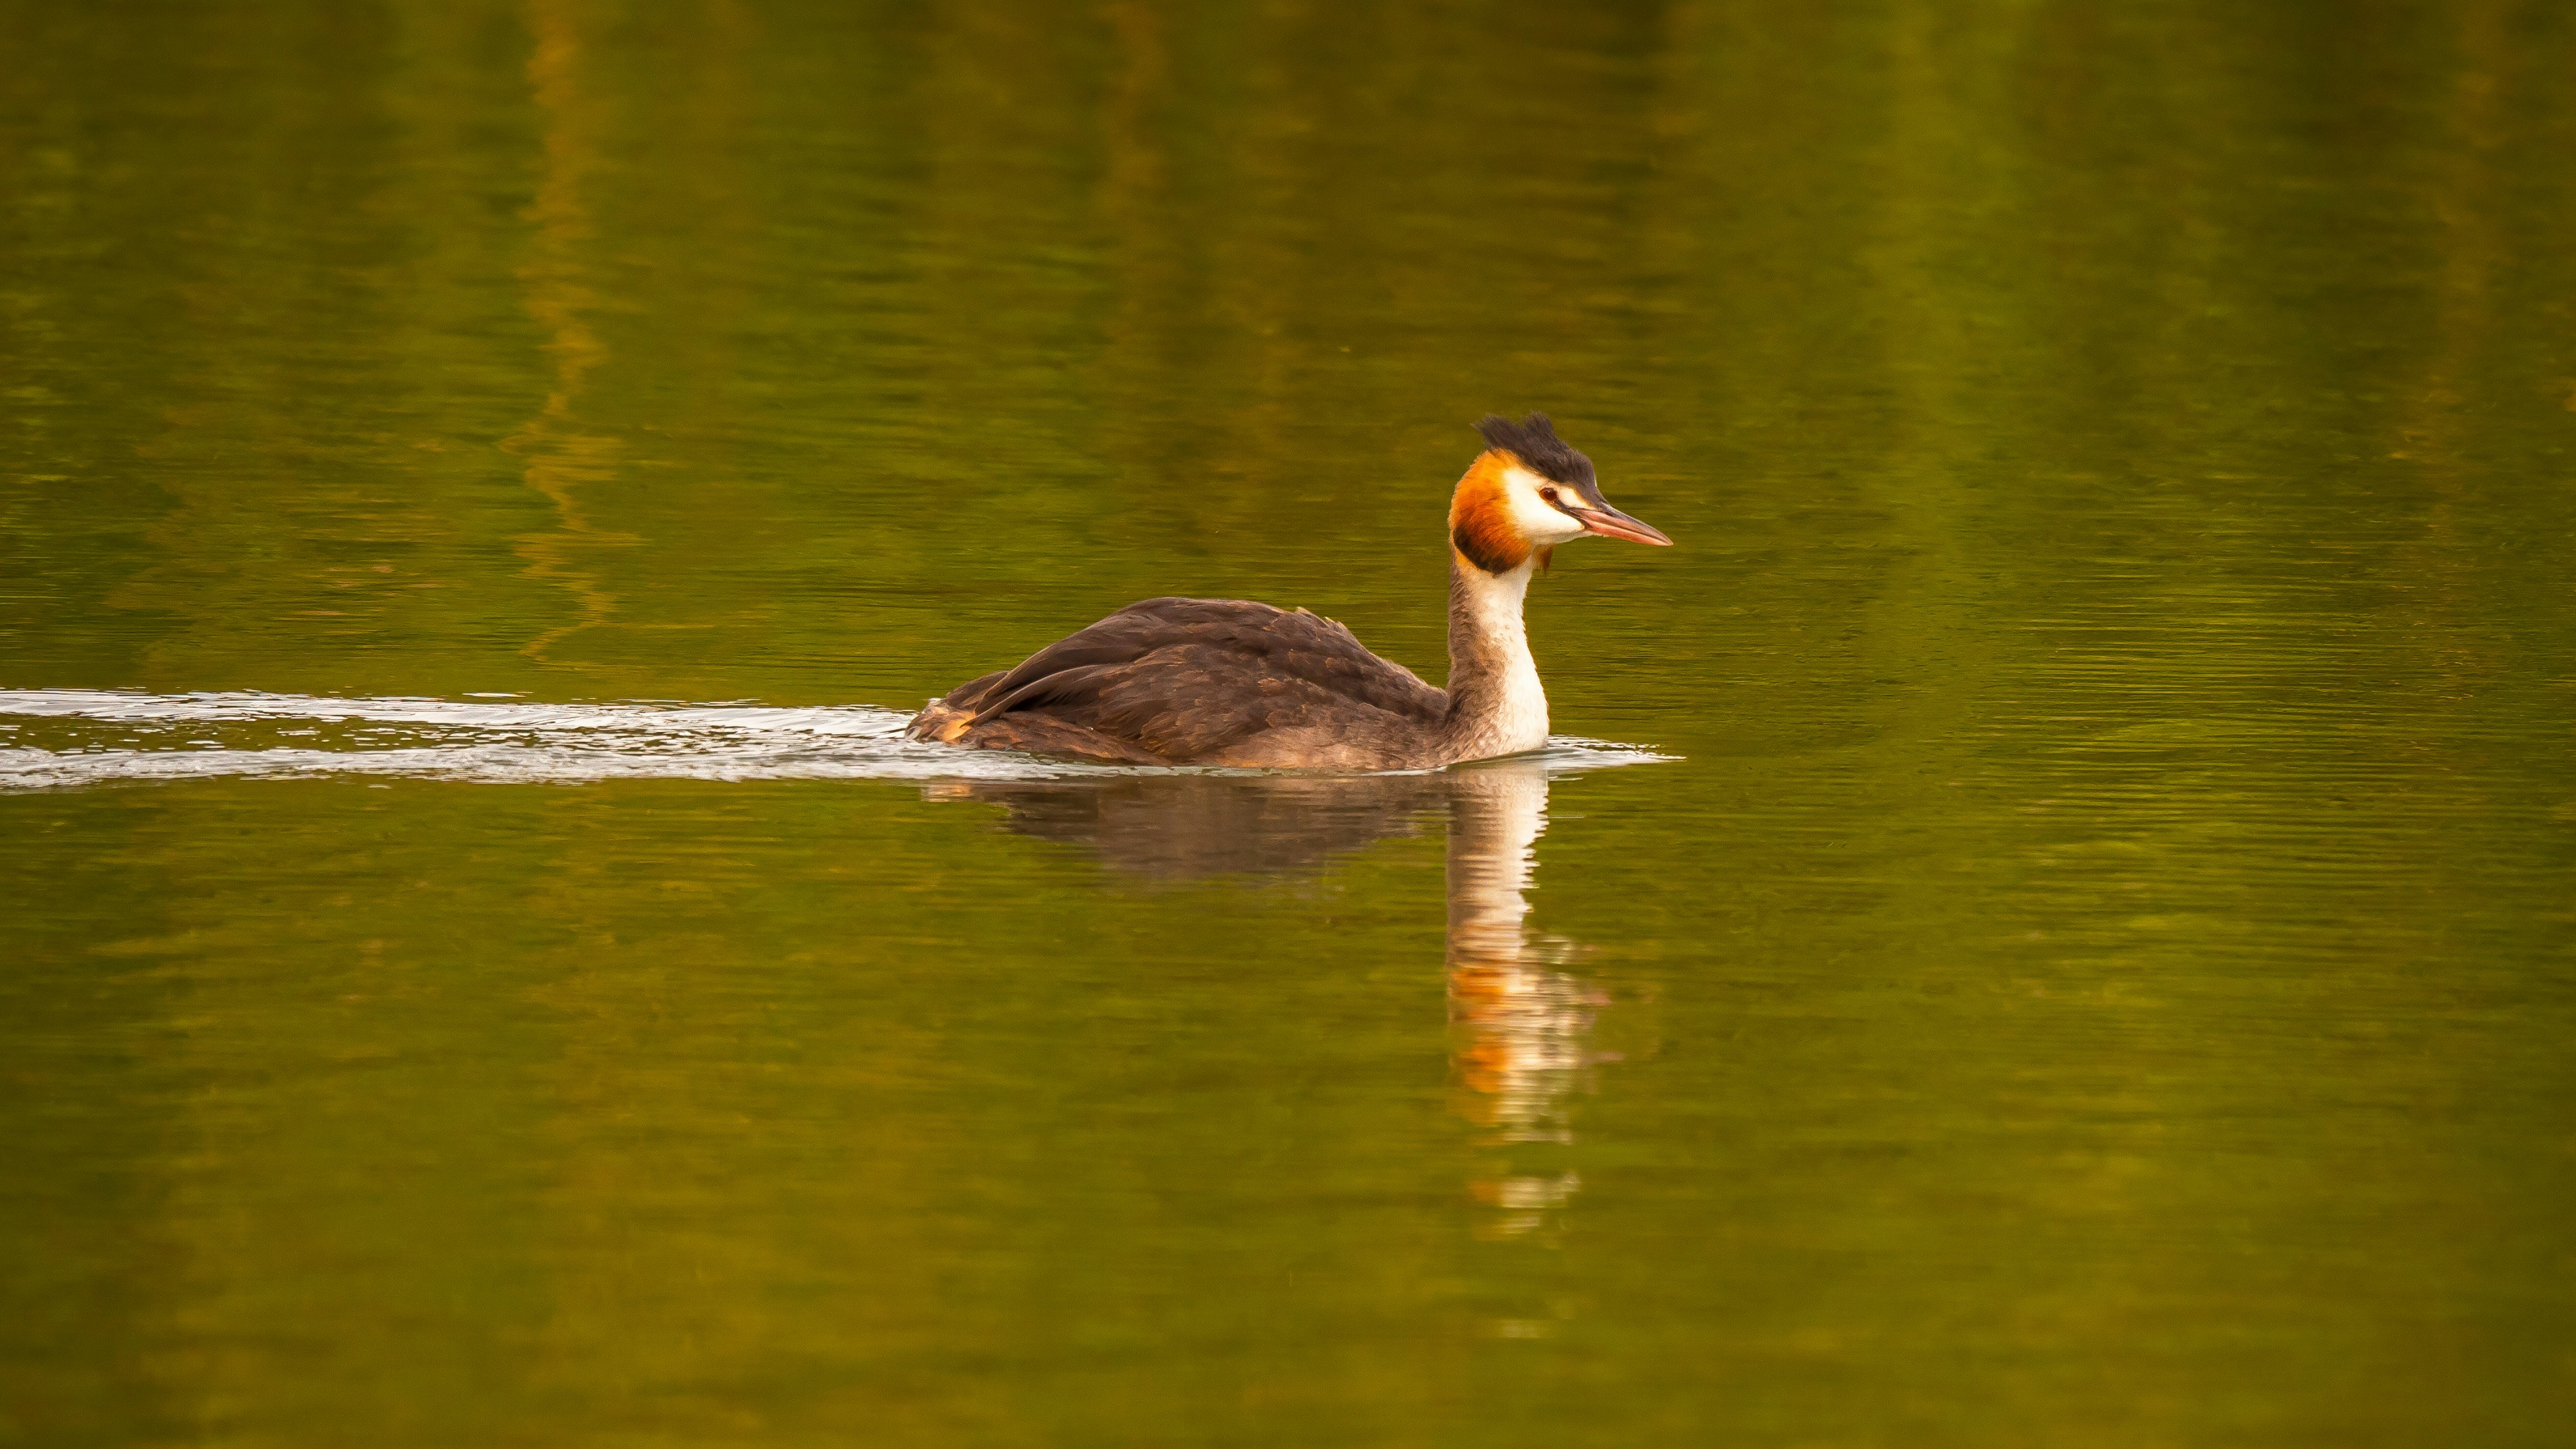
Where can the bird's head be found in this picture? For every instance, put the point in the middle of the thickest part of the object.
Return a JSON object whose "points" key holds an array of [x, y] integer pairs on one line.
{"points": [[1527, 493]]}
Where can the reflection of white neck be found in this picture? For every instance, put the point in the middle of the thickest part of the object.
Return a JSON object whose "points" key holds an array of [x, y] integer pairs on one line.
{"points": [[1497, 814], [1496, 704], [1526, 1024]]}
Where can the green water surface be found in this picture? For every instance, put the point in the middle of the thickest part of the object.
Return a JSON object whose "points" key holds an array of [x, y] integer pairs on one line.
{"points": [[2099, 967]]}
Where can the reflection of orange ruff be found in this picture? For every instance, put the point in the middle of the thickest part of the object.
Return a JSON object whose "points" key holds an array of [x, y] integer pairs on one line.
{"points": [[1526, 1042], [1485, 999]]}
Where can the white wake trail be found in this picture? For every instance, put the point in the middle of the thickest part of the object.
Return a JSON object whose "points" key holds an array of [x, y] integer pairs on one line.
{"points": [[54, 739]]}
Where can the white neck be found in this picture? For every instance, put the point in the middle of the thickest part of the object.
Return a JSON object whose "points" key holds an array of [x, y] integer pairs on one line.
{"points": [[1497, 706]]}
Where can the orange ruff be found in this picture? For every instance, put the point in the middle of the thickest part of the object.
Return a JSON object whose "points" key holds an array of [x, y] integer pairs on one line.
{"points": [[1480, 517]]}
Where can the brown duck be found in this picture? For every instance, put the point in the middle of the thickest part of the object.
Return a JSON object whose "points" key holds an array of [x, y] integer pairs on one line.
{"points": [[1229, 682]]}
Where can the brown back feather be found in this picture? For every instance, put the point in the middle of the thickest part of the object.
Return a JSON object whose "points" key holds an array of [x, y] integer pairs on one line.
{"points": [[1183, 678]]}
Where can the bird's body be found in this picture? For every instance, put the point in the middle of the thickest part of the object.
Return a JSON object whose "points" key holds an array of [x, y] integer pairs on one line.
{"points": [[1228, 682]]}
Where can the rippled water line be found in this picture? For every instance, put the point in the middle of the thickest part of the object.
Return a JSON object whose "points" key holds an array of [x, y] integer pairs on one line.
{"points": [[249, 706], [519, 743]]}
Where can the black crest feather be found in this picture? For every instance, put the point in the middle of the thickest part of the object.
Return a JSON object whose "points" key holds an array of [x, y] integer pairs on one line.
{"points": [[1534, 441]]}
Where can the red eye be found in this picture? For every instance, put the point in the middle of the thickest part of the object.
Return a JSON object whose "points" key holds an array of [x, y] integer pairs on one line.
{"points": [[1548, 493]]}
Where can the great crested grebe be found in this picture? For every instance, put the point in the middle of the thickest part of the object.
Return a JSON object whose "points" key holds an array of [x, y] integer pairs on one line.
{"points": [[1228, 682]]}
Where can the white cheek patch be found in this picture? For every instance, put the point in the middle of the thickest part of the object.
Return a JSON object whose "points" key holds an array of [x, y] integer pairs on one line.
{"points": [[1541, 523]]}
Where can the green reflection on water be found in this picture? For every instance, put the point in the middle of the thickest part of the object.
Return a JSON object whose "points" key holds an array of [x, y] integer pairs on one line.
{"points": [[2100, 973]]}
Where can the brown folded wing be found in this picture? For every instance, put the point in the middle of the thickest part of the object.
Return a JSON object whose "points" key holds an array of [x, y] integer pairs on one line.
{"points": [[1175, 681]]}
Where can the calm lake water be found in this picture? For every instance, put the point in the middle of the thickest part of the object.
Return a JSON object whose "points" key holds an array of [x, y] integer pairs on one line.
{"points": [[2053, 920]]}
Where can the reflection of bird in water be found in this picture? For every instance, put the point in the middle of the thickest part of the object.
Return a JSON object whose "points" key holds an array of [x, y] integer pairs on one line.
{"points": [[1494, 820], [1176, 826], [1523, 1026], [1226, 682]]}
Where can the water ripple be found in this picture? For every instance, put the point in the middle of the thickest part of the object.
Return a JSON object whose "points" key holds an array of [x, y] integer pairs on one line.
{"points": [[52, 739]]}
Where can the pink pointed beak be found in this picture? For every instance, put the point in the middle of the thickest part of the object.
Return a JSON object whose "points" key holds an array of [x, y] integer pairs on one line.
{"points": [[1611, 523]]}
